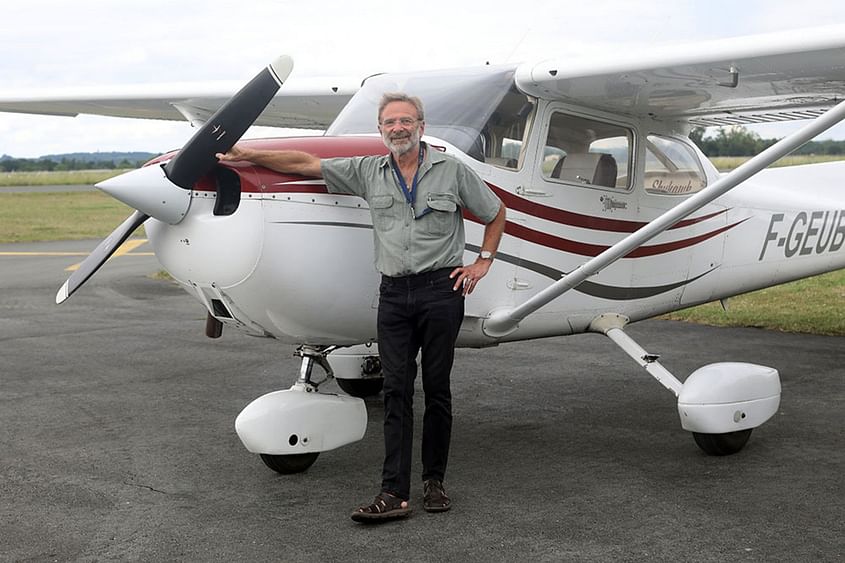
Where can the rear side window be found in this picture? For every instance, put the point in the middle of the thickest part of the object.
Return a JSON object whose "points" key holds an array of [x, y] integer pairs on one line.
{"points": [[672, 167], [585, 151]]}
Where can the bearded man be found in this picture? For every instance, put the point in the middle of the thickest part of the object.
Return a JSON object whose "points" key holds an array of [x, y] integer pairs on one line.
{"points": [[416, 196]]}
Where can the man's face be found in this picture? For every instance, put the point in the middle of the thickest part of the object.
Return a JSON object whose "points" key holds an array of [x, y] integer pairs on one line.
{"points": [[400, 127]]}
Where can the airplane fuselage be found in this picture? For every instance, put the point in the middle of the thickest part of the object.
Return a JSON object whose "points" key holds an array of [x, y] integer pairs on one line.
{"points": [[294, 262]]}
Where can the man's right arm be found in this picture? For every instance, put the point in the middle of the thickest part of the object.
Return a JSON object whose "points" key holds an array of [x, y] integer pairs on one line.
{"points": [[287, 162]]}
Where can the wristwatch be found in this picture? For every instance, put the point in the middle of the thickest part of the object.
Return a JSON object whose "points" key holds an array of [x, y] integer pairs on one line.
{"points": [[486, 255]]}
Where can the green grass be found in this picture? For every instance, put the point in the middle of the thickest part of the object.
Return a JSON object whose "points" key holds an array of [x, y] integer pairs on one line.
{"points": [[728, 163], [56, 178], [28, 217], [813, 305]]}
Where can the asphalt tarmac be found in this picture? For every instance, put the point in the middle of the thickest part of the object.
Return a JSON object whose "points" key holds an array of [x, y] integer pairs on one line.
{"points": [[118, 443]]}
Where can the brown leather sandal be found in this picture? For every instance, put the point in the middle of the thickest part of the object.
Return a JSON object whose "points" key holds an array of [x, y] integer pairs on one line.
{"points": [[435, 498], [385, 507]]}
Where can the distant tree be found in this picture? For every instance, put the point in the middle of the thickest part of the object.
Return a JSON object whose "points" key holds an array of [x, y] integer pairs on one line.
{"points": [[697, 136], [826, 147], [739, 141], [730, 141]]}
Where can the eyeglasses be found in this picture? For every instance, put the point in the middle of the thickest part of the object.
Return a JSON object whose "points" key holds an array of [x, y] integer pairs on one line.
{"points": [[403, 121]]}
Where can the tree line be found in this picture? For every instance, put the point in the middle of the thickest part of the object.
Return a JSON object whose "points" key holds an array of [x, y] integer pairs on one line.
{"points": [[65, 164], [739, 141], [76, 161]]}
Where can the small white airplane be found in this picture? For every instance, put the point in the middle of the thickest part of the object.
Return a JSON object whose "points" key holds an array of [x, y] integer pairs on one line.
{"points": [[614, 215]]}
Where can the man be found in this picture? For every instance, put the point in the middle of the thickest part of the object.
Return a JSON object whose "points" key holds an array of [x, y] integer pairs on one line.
{"points": [[415, 196]]}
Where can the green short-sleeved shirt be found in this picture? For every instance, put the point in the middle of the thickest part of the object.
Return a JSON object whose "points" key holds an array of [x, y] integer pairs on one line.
{"points": [[405, 245]]}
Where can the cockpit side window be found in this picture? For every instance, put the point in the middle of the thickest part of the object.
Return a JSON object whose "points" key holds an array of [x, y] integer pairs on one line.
{"points": [[672, 167], [586, 151], [503, 137]]}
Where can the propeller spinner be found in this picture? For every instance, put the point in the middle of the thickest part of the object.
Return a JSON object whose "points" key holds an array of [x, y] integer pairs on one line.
{"points": [[164, 193]]}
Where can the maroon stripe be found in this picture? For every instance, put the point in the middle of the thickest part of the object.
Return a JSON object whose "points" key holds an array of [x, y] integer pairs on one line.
{"points": [[585, 249], [573, 219], [679, 244]]}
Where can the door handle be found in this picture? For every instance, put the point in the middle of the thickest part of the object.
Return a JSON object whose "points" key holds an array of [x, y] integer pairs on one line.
{"points": [[530, 192]]}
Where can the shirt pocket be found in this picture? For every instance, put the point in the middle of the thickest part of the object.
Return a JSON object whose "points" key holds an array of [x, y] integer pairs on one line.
{"points": [[441, 219], [383, 210]]}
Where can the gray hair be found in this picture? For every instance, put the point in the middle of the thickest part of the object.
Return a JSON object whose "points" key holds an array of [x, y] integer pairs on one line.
{"points": [[390, 97]]}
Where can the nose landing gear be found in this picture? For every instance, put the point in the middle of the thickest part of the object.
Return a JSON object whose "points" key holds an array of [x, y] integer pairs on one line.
{"points": [[290, 428]]}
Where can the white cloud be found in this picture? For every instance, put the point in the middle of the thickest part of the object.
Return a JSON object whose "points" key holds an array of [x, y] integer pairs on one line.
{"points": [[46, 43]]}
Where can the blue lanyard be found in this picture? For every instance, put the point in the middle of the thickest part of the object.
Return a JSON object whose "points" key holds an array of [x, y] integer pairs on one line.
{"points": [[410, 195]]}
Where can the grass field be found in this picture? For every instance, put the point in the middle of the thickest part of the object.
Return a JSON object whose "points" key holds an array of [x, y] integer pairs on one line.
{"points": [[815, 305], [727, 163], [28, 217]]}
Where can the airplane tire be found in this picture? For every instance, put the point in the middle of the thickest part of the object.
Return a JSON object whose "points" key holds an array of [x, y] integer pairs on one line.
{"points": [[722, 444], [290, 463], [361, 388]]}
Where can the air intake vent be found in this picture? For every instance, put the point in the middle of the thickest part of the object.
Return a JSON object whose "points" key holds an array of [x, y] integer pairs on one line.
{"points": [[220, 309], [228, 191]]}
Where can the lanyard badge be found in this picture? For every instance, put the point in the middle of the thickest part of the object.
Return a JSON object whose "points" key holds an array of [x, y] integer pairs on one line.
{"points": [[410, 195]]}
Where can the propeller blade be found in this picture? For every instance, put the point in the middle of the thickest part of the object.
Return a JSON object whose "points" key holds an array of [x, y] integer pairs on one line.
{"points": [[100, 254], [195, 159], [227, 125]]}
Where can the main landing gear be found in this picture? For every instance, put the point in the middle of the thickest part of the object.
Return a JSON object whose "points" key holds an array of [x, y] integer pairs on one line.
{"points": [[357, 374], [719, 403], [722, 444], [289, 428]]}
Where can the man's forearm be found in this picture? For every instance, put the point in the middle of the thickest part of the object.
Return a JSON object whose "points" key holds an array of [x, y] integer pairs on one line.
{"points": [[493, 231], [287, 162]]}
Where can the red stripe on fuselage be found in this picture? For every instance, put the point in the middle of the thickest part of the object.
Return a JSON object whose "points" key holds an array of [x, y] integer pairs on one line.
{"points": [[591, 250], [573, 219]]}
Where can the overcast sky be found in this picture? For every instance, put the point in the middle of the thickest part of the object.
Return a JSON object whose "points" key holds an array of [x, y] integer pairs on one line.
{"points": [[47, 43]]}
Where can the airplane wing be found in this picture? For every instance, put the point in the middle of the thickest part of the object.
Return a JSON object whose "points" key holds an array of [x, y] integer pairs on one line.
{"points": [[302, 104], [753, 79]]}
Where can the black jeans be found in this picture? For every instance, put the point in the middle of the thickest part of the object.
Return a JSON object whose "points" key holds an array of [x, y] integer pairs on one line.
{"points": [[416, 312]]}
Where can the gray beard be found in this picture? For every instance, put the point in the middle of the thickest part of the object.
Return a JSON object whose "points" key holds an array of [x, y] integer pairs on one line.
{"points": [[401, 146]]}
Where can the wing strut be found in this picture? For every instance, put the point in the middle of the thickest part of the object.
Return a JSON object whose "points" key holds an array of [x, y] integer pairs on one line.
{"points": [[502, 322]]}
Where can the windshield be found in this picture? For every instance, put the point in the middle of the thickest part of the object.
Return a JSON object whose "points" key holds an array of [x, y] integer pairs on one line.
{"points": [[458, 103]]}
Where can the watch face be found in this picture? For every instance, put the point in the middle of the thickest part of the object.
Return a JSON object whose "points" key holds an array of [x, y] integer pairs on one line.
{"points": [[486, 254]]}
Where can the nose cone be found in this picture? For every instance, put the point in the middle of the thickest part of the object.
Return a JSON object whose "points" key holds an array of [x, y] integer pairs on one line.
{"points": [[148, 190]]}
